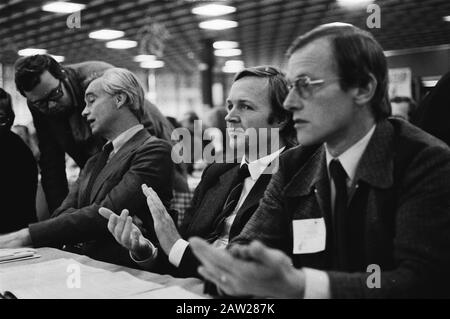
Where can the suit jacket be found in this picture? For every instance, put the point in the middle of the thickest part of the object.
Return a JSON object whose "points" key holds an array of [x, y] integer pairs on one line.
{"points": [[18, 183], [143, 159], [201, 219], [70, 133], [398, 217]]}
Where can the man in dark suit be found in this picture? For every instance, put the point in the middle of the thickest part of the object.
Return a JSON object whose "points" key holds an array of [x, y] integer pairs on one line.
{"points": [[112, 178], [362, 209], [55, 97], [228, 193], [18, 174]]}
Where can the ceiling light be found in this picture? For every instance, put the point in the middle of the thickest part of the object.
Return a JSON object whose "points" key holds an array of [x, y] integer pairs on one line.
{"points": [[225, 45], [63, 7], [227, 52], [232, 69], [31, 51], [218, 24], [152, 64], [121, 44], [58, 58], [213, 10], [106, 34], [234, 63], [144, 57], [354, 3], [446, 18]]}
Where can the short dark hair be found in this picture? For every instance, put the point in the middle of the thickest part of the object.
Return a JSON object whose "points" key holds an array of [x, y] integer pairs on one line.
{"points": [[5, 104], [278, 91], [357, 55], [28, 71]]}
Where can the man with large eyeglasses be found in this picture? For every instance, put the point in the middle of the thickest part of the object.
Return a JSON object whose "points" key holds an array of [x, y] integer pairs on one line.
{"points": [[18, 174], [368, 214], [55, 96]]}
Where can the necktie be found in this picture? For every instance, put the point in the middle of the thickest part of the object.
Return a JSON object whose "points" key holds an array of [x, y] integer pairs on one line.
{"points": [[99, 165], [232, 200], [339, 177]]}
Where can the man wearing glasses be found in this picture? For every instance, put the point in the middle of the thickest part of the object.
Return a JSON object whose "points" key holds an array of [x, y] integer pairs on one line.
{"points": [[55, 97], [368, 214], [18, 174]]}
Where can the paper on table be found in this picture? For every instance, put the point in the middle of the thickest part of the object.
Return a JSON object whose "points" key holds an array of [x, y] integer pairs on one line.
{"points": [[172, 292], [58, 279], [13, 254]]}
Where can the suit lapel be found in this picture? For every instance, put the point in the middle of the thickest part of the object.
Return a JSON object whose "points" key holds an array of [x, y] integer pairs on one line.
{"points": [[124, 152]]}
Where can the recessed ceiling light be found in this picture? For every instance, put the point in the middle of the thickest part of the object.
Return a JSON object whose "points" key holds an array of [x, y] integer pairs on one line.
{"points": [[227, 52], [31, 51], [144, 57], [225, 45], [106, 34], [63, 7], [152, 64], [121, 44], [58, 58], [213, 10], [218, 24], [446, 18]]}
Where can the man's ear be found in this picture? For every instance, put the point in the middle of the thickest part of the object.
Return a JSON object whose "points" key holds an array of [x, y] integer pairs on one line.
{"points": [[364, 94], [120, 99]]}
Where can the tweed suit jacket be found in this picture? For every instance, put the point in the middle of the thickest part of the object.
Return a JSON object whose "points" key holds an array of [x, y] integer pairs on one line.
{"points": [[398, 217], [77, 223]]}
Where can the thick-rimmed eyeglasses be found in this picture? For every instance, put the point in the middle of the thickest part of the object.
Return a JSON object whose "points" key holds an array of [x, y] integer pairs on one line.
{"points": [[305, 86], [54, 95]]}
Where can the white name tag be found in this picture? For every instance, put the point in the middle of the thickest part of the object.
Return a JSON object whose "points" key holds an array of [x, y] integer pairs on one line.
{"points": [[309, 235]]}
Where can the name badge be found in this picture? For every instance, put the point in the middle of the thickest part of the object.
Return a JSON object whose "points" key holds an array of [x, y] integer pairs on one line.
{"points": [[309, 235]]}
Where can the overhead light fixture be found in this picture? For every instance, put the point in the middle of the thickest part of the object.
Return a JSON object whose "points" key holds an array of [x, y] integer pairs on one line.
{"points": [[152, 64], [213, 10], [58, 58], [225, 45], [218, 24], [144, 58], [63, 7], [354, 3], [31, 51], [234, 63], [446, 18], [233, 66], [106, 34], [227, 52], [121, 44]]}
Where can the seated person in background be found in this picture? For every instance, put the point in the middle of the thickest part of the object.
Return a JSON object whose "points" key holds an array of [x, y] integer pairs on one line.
{"points": [[368, 214], [18, 174], [403, 107], [112, 178], [433, 113], [55, 97], [228, 193]]}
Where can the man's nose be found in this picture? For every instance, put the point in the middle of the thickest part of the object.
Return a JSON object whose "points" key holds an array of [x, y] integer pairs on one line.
{"points": [[292, 101], [85, 111], [232, 116]]}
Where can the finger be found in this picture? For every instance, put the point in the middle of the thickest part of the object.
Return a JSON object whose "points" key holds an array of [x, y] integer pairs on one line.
{"points": [[112, 222], [126, 233], [259, 252], [145, 190], [105, 212], [240, 251], [211, 257], [121, 221]]}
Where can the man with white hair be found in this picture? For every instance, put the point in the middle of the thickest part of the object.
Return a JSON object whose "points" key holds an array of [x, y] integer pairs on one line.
{"points": [[112, 178]]}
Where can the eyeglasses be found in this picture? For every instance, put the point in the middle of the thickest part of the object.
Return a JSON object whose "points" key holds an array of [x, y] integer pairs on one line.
{"points": [[54, 95], [305, 86]]}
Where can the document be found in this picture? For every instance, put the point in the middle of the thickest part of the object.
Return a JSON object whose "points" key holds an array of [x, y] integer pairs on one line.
{"points": [[69, 279], [16, 254]]}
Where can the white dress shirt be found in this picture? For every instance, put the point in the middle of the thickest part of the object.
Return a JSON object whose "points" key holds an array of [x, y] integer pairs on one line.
{"points": [[124, 137], [317, 283]]}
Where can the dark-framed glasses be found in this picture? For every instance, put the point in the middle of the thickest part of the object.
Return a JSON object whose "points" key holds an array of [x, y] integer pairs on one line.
{"points": [[54, 95], [305, 86]]}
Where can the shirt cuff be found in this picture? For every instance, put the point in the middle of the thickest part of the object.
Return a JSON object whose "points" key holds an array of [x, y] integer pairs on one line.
{"points": [[147, 263], [177, 251], [317, 284]]}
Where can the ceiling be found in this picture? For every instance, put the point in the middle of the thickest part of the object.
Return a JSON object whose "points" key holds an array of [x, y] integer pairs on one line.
{"points": [[266, 28]]}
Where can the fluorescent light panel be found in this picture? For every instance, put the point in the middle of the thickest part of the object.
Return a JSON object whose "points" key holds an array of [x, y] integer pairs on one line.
{"points": [[225, 45], [152, 64], [144, 57], [106, 34], [218, 24], [121, 44], [213, 10], [31, 51], [63, 7], [227, 52]]}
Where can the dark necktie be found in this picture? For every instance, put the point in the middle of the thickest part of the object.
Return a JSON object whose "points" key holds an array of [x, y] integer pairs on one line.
{"points": [[102, 159], [232, 200], [339, 177]]}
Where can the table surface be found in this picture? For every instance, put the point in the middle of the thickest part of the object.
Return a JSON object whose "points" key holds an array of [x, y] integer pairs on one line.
{"points": [[194, 285]]}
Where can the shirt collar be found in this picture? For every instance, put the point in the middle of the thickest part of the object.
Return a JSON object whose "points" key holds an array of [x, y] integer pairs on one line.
{"points": [[350, 158], [257, 167], [124, 137]]}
